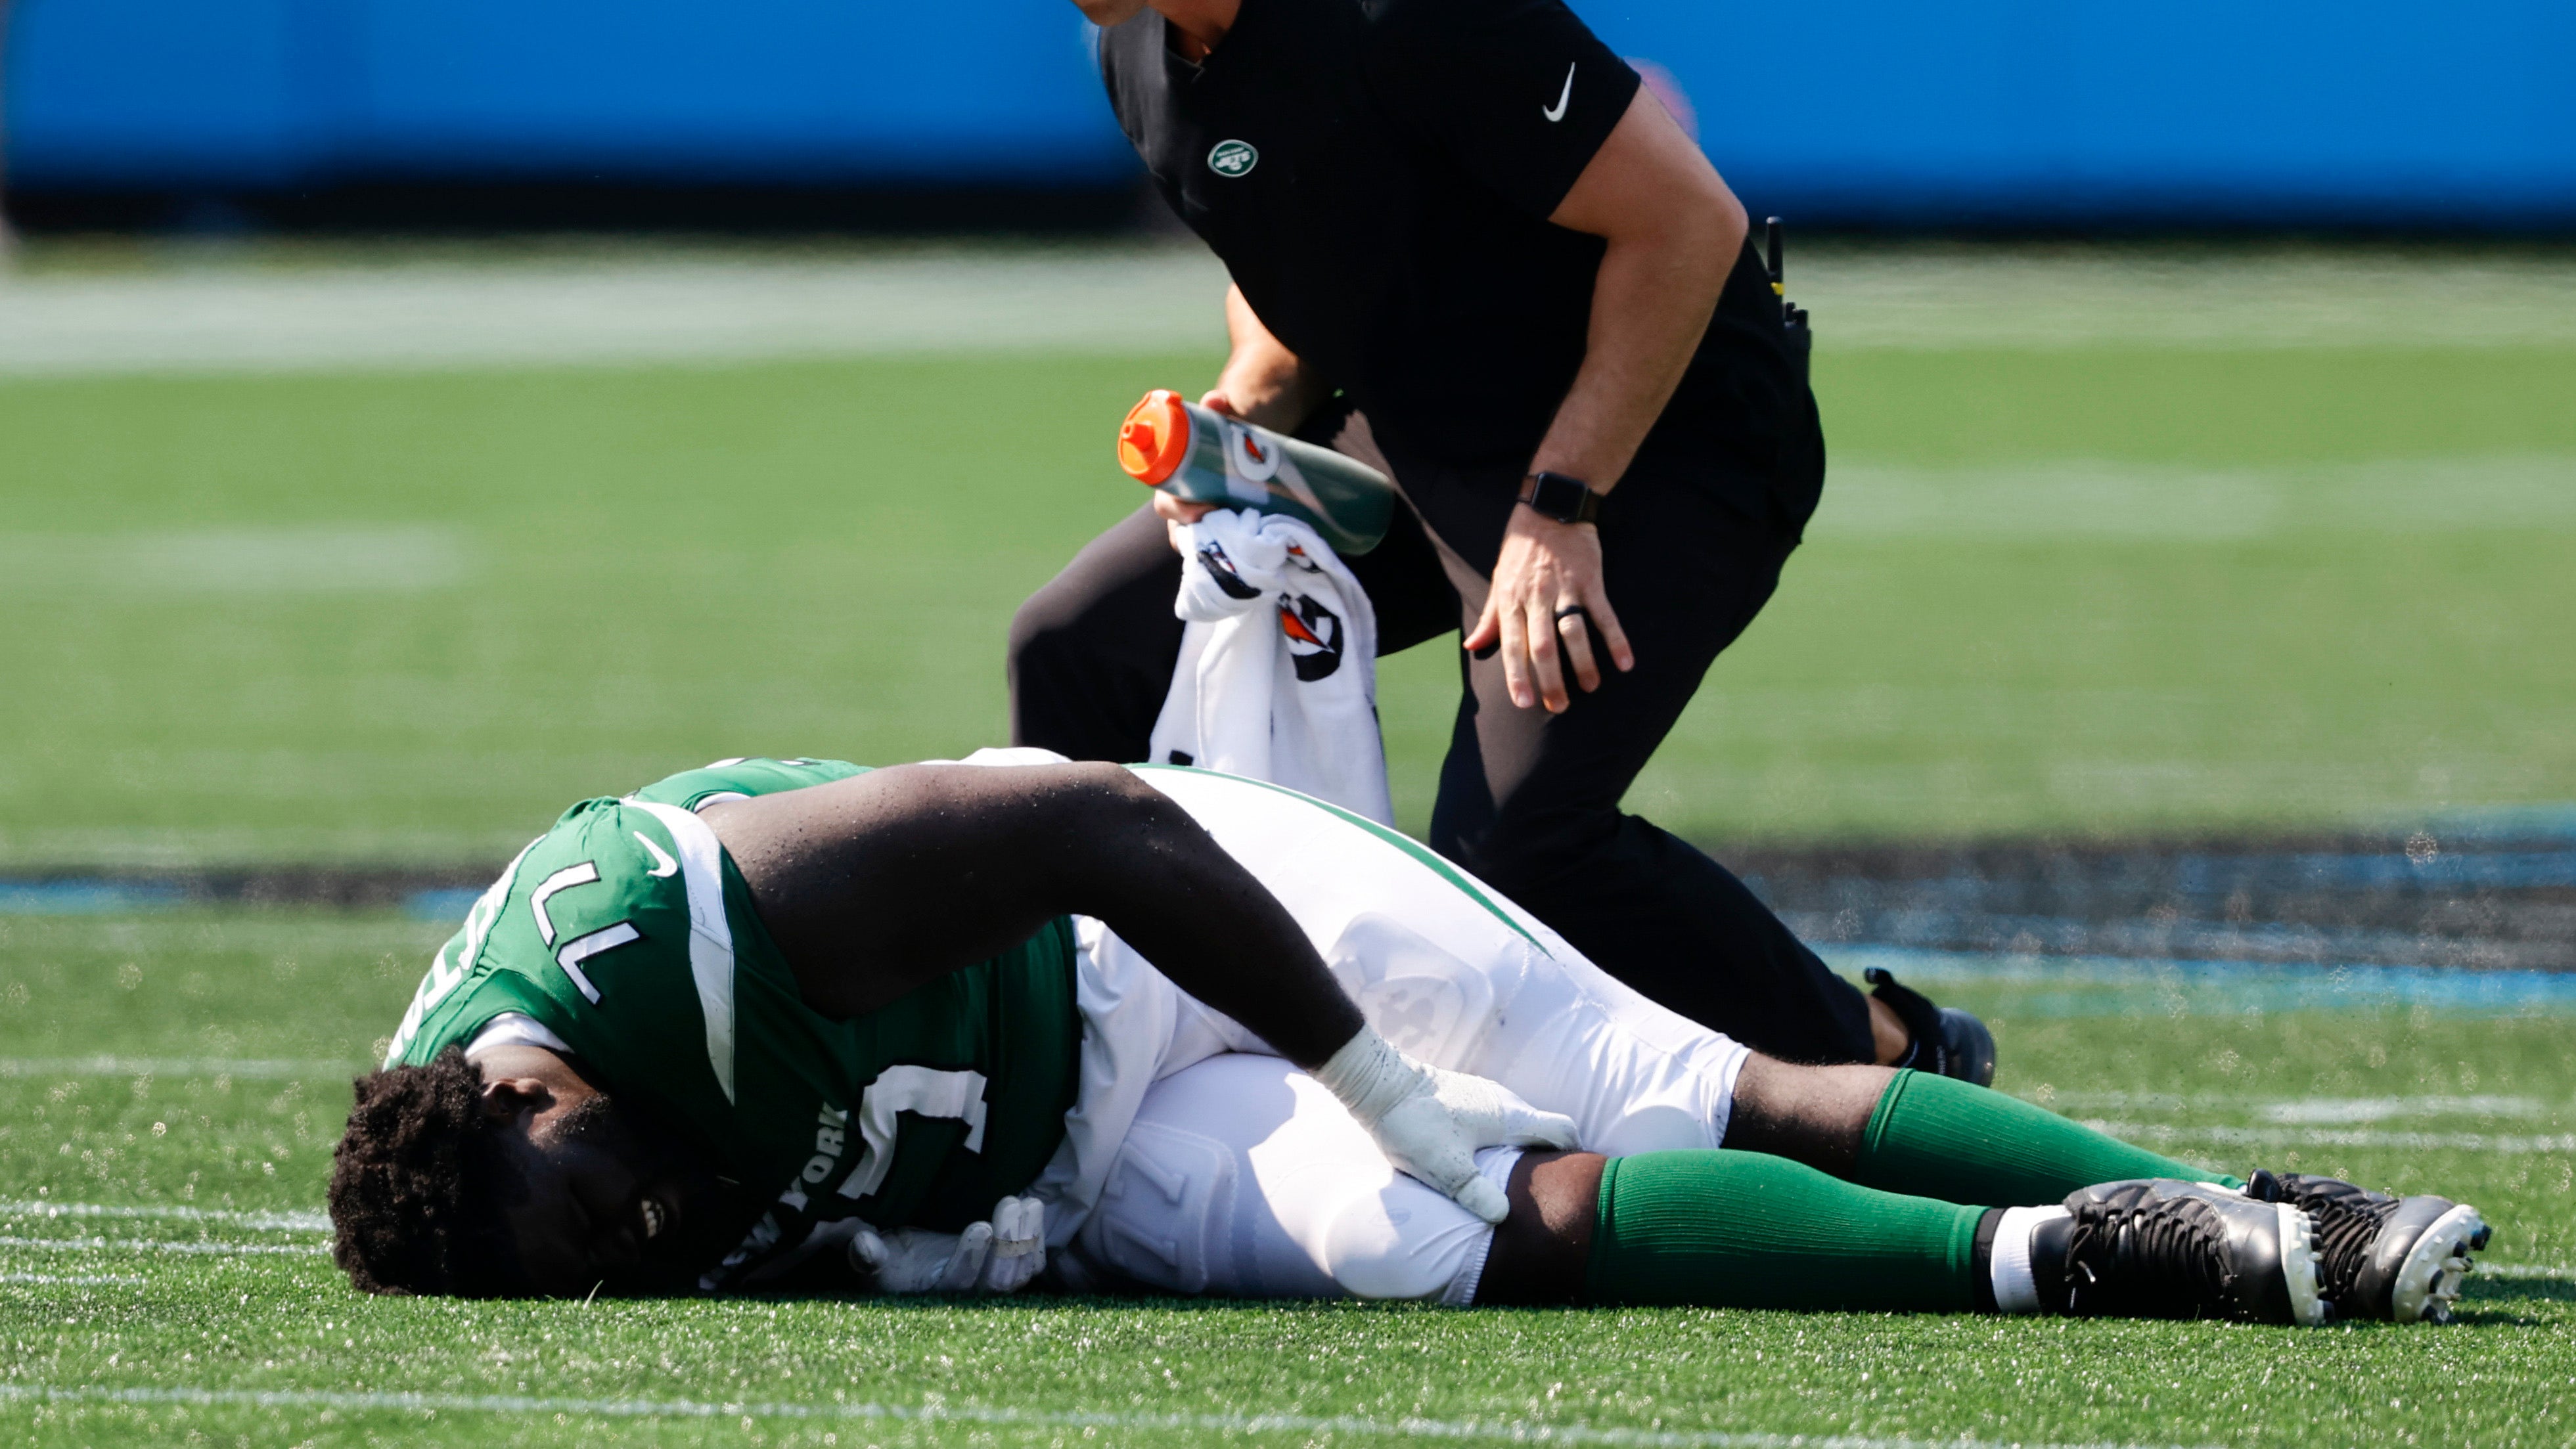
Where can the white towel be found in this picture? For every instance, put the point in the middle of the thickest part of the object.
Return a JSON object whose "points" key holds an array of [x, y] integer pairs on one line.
{"points": [[1278, 671]]}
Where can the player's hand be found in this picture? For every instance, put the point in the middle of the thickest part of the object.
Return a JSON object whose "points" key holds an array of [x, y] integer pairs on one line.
{"points": [[1019, 1246], [1430, 1122], [999, 1256], [1547, 579]]}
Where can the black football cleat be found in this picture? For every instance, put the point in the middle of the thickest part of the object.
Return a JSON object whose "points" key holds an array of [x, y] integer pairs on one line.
{"points": [[2396, 1259], [1948, 1042], [2164, 1248]]}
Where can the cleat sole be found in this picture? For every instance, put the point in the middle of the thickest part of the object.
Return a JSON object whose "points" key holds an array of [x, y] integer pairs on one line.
{"points": [[2428, 1282], [2308, 1307]]}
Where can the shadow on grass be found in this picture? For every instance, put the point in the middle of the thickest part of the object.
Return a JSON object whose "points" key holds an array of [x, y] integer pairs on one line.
{"points": [[2518, 1290]]}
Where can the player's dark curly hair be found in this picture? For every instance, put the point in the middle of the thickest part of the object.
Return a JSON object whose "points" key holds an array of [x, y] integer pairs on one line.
{"points": [[416, 1184]]}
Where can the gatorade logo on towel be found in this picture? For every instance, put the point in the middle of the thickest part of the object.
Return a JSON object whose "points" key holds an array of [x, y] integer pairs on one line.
{"points": [[1233, 158], [1212, 557], [1314, 637]]}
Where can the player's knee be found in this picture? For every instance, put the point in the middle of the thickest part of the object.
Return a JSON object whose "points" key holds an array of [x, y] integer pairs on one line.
{"points": [[1375, 1248], [1813, 1114], [1542, 1249]]}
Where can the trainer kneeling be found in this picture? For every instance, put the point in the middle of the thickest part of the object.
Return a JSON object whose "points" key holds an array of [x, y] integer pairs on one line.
{"points": [[1467, 245]]}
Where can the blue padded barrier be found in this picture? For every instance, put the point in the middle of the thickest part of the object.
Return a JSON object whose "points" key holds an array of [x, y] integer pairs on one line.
{"points": [[1979, 111]]}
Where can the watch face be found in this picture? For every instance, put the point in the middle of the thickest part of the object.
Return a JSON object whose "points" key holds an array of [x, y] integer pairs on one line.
{"points": [[1559, 497]]}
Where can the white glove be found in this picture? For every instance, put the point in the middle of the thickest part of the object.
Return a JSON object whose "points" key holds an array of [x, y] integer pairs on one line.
{"points": [[999, 1256], [1429, 1122]]}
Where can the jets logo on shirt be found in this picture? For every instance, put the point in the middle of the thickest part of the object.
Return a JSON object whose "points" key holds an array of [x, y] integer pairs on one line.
{"points": [[1233, 158], [1314, 637]]}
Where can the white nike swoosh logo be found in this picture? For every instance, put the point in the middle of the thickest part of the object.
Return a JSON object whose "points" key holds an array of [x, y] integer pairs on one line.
{"points": [[1557, 112], [667, 868]]}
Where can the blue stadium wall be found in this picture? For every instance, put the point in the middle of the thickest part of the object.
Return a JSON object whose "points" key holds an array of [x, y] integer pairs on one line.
{"points": [[1891, 112]]}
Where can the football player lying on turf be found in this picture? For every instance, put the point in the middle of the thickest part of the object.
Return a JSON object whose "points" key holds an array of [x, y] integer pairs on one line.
{"points": [[774, 1019]]}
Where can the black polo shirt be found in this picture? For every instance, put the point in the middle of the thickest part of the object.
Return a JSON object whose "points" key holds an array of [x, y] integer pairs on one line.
{"points": [[1377, 177]]}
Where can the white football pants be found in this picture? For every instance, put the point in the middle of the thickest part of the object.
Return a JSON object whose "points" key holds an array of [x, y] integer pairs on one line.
{"points": [[1197, 1162]]}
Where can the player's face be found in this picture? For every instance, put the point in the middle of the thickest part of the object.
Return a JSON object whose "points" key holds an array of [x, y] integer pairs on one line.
{"points": [[609, 1201]]}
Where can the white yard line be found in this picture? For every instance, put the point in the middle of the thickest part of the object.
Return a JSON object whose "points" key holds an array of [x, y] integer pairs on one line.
{"points": [[2545, 1272], [686, 305], [2502, 1144], [2320, 1111], [2092, 498], [297, 561], [269, 1221], [151, 1245], [247, 1068], [1512, 1431], [673, 308], [75, 1280]]}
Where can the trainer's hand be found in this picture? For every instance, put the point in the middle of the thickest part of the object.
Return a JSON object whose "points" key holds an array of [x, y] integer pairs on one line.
{"points": [[1430, 1122], [1179, 513], [999, 1256], [1546, 580]]}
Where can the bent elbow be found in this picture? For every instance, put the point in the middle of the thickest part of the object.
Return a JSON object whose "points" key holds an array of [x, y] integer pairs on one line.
{"points": [[1695, 234], [1713, 221], [1733, 222]]}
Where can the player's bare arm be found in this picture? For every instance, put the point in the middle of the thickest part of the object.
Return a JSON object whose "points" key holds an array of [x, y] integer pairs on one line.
{"points": [[950, 864], [1671, 228], [940, 866]]}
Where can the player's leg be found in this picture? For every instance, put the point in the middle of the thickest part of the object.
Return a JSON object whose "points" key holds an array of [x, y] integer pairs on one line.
{"points": [[1922, 1137], [1915, 1133], [1747, 1230], [1456, 975], [1243, 1178], [1461, 977]]}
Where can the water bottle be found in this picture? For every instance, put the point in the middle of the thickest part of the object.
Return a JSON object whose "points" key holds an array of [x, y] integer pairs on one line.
{"points": [[1203, 456]]}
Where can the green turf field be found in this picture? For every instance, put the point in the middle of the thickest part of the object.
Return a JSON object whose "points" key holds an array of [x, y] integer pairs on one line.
{"points": [[2109, 548], [2064, 584], [160, 1275]]}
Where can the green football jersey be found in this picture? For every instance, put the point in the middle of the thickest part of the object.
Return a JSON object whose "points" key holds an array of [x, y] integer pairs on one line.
{"points": [[627, 931]]}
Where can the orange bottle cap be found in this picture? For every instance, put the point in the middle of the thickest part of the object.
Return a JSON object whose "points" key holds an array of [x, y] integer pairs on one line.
{"points": [[1155, 437]]}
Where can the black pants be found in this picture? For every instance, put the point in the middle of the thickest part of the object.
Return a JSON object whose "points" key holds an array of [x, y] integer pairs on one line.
{"points": [[1529, 801]]}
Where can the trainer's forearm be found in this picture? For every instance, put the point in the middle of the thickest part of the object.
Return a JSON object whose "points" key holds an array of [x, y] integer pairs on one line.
{"points": [[1651, 302], [1266, 382]]}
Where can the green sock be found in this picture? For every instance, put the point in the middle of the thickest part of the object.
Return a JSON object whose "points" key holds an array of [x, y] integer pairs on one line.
{"points": [[1725, 1229], [1936, 1137]]}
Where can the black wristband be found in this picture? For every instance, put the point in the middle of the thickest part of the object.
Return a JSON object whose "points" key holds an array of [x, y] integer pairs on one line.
{"points": [[1560, 496]]}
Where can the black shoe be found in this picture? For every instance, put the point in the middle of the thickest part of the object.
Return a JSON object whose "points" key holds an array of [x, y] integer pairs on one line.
{"points": [[1948, 1042], [2164, 1248], [2397, 1259]]}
